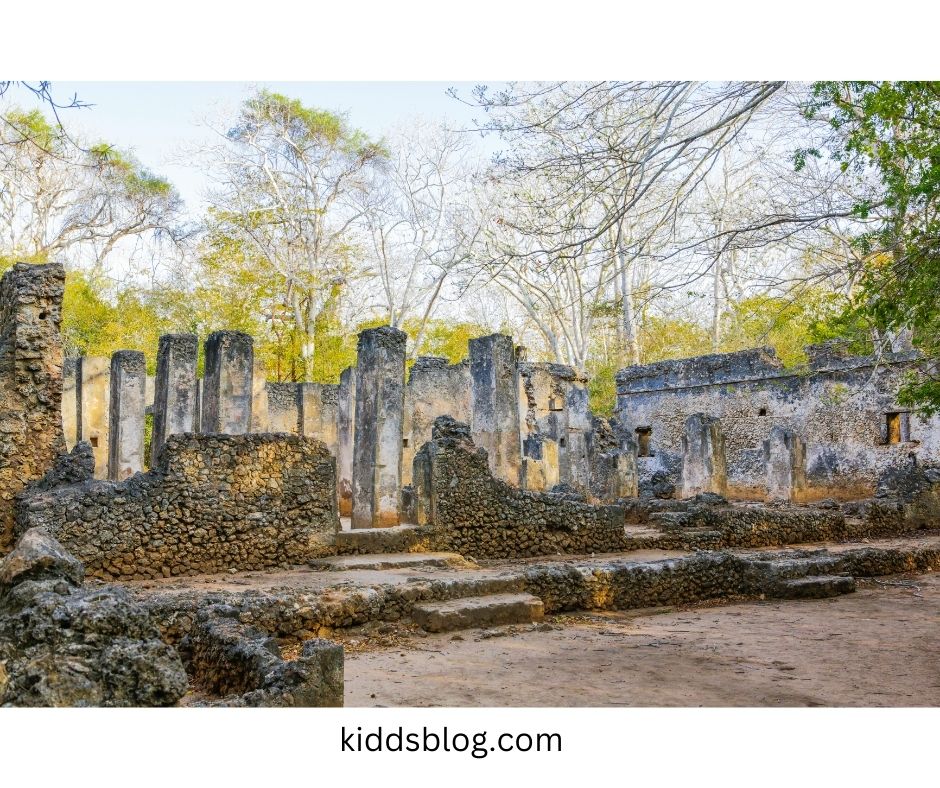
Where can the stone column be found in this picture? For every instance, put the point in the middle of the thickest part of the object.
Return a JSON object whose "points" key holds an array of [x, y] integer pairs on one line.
{"points": [[318, 413], [30, 380], [70, 402], [785, 458], [377, 449], [577, 464], [126, 414], [227, 383], [94, 391], [494, 404], [703, 457], [345, 432], [260, 421], [174, 398]]}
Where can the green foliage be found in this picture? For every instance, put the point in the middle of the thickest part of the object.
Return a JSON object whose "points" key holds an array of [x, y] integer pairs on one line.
{"points": [[894, 128], [305, 125], [790, 324], [445, 338], [96, 322], [136, 179], [664, 338], [602, 388]]}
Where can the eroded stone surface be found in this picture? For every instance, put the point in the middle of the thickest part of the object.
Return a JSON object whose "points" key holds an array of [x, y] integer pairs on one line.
{"points": [[62, 644]]}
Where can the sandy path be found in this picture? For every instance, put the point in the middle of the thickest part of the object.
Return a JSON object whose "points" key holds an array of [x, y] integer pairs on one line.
{"points": [[877, 647]]}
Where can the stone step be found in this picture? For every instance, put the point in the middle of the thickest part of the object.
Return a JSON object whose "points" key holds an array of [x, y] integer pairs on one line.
{"points": [[397, 539], [342, 563], [816, 586], [478, 611]]}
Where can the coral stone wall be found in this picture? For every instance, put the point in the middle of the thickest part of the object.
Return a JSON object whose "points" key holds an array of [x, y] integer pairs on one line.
{"points": [[435, 388], [214, 502], [478, 515], [837, 404], [30, 381]]}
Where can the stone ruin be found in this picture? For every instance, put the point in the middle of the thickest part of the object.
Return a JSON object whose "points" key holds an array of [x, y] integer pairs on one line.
{"points": [[493, 458]]}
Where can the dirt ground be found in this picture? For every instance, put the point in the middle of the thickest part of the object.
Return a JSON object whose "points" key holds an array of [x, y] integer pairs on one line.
{"points": [[877, 647]]}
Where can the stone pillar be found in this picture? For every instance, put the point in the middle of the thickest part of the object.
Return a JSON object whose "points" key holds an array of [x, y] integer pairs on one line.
{"points": [[70, 402], [377, 449], [576, 463], [703, 457], [175, 397], [345, 432], [30, 380], [318, 413], [260, 421], [227, 383], [126, 414], [94, 391], [494, 404], [785, 458]]}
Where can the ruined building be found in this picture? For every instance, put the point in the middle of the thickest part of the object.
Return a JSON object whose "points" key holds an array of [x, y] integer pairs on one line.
{"points": [[496, 457]]}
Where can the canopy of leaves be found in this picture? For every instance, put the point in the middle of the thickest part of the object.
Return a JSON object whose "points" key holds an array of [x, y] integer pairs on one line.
{"points": [[894, 127]]}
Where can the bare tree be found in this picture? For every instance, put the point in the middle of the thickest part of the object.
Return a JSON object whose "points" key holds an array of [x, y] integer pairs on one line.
{"points": [[417, 221], [81, 205], [288, 179]]}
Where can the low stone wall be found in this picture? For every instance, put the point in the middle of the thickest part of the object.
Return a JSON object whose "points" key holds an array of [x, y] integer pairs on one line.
{"points": [[241, 666], [213, 503], [477, 515], [616, 584]]}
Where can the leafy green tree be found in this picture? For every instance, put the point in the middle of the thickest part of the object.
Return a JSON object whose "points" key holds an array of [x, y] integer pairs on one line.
{"points": [[893, 128], [289, 178]]}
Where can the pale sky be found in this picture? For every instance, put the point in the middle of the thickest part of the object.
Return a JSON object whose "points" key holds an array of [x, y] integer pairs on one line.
{"points": [[154, 119]]}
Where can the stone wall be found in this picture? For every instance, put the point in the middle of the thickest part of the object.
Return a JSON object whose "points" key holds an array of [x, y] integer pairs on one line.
{"points": [[477, 515], [613, 584], [241, 665], [838, 405], [213, 503], [63, 643], [319, 413], [435, 388], [283, 407], [556, 427], [30, 381]]}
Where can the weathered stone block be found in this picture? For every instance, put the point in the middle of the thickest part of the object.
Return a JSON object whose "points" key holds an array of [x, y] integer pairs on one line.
{"points": [[227, 383], [175, 399], [30, 380], [126, 414], [345, 435], [494, 405], [94, 394], [703, 457], [785, 457], [377, 443]]}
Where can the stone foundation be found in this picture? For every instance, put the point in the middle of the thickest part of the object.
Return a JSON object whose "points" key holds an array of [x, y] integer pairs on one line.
{"points": [[242, 666]]}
